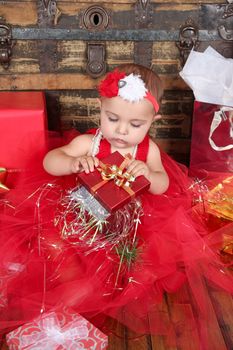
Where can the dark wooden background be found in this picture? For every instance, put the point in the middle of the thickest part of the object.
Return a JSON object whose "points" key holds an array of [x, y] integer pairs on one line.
{"points": [[50, 53]]}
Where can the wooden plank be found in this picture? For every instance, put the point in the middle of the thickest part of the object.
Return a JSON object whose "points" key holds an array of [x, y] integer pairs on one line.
{"points": [[48, 81], [119, 53], [223, 306], [24, 58], [67, 81], [209, 327], [158, 343], [170, 125], [174, 145], [182, 317], [132, 2], [161, 318], [22, 13], [117, 336], [72, 54], [137, 342]]}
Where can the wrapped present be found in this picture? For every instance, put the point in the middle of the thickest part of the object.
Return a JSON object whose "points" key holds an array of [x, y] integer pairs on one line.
{"points": [[105, 207], [213, 201], [58, 330], [219, 200], [22, 124], [111, 185]]}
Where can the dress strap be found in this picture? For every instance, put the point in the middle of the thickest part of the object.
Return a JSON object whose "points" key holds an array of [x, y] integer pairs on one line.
{"points": [[143, 149], [100, 146], [96, 142]]}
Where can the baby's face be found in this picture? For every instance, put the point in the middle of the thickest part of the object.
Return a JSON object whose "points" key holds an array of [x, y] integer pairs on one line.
{"points": [[125, 124]]}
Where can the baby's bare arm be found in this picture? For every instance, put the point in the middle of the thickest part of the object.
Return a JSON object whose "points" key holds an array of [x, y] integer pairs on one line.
{"points": [[71, 158]]}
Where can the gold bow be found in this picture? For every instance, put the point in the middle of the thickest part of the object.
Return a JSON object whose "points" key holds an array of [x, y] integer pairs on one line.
{"points": [[3, 187], [117, 174]]}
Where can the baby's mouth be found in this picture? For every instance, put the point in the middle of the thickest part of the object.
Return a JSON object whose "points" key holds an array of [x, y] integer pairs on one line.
{"points": [[119, 141]]}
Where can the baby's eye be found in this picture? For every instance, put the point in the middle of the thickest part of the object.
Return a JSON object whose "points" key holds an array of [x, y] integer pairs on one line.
{"points": [[135, 125], [112, 119]]}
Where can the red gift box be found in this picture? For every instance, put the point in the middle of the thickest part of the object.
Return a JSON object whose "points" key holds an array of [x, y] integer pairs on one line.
{"points": [[60, 330], [111, 196], [22, 127]]}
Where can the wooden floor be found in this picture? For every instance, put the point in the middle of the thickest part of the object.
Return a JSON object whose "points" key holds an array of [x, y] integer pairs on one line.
{"points": [[220, 334]]}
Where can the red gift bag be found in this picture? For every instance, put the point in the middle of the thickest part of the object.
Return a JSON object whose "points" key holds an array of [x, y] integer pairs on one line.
{"points": [[212, 139]]}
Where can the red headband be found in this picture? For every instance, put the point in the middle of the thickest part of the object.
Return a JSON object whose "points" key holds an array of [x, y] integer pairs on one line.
{"points": [[130, 87]]}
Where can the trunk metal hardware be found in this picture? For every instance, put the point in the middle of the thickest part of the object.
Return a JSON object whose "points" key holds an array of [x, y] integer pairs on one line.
{"points": [[96, 65], [6, 44], [94, 18], [188, 39], [228, 12]]}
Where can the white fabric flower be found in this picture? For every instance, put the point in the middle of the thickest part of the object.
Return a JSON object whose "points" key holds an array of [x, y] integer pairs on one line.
{"points": [[132, 88]]}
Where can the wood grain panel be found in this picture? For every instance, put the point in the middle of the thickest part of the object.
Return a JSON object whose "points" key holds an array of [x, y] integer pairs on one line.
{"points": [[72, 54], [24, 59], [69, 81], [23, 13], [223, 306]]}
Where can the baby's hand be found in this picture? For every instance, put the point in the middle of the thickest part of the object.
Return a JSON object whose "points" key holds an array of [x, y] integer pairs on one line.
{"points": [[84, 163], [137, 168]]}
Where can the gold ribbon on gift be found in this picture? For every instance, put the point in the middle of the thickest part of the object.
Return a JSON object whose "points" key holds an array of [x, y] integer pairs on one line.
{"points": [[117, 174], [3, 187]]}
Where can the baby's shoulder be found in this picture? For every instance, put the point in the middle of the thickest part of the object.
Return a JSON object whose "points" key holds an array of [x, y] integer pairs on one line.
{"points": [[87, 138], [81, 143], [153, 145]]}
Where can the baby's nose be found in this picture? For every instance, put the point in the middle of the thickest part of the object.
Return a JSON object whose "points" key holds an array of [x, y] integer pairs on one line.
{"points": [[122, 129]]}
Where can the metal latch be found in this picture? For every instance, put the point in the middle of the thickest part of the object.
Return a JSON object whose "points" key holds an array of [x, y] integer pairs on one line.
{"points": [[96, 65], [6, 45]]}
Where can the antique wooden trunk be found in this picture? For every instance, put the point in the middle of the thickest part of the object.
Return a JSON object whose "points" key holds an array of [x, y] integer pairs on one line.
{"points": [[64, 47]]}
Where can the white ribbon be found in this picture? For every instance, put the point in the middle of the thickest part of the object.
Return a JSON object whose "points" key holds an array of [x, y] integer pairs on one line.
{"points": [[50, 334], [219, 116]]}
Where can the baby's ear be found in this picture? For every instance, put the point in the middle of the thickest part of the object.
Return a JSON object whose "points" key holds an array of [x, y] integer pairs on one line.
{"points": [[157, 117]]}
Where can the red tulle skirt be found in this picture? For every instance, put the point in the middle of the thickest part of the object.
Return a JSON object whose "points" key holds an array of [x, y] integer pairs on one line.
{"points": [[174, 246]]}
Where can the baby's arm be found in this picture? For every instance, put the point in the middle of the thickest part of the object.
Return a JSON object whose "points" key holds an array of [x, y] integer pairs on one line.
{"points": [[153, 170], [71, 158]]}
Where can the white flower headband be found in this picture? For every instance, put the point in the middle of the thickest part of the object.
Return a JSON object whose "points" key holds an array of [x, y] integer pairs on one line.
{"points": [[129, 87]]}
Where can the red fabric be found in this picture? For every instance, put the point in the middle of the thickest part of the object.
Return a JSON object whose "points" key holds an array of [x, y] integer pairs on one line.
{"points": [[174, 246], [109, 86]]}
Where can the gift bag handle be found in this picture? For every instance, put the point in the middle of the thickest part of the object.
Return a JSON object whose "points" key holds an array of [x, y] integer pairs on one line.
{"points": [[219, 116]]}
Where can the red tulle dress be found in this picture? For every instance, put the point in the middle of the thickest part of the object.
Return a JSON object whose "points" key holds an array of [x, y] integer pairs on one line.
{"points": [[173, 247]]}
